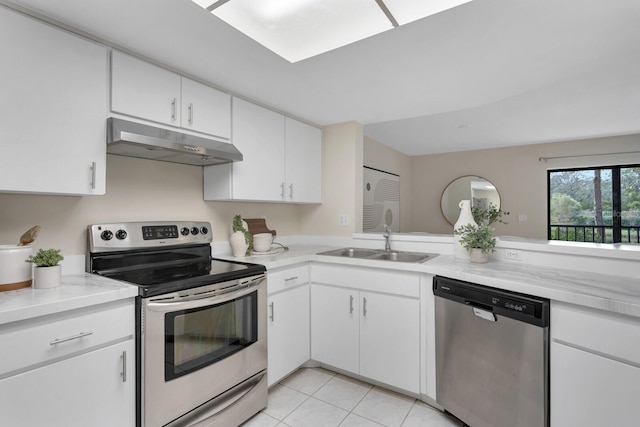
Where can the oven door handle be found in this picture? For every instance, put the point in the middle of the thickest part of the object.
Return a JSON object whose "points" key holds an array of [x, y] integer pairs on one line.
{"points": [[203, 300]]}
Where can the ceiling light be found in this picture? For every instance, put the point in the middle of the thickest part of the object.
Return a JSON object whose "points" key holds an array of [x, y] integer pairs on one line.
{"points": [[300, 29]]}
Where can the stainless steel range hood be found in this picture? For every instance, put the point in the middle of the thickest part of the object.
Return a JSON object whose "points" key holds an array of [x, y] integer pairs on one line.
{"points": [[132, 139]]}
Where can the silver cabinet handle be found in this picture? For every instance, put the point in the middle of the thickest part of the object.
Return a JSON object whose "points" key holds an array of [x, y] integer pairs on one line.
{"points": [[288, 279], [173, 109], [364, 307], [124, 366], [190, 113], [272, 315], [291, 191], [350, 304], [73, 337], [282, 192], [93, 175]]}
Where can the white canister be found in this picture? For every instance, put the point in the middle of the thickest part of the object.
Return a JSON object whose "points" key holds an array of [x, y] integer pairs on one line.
{"points": [[15, 272]]}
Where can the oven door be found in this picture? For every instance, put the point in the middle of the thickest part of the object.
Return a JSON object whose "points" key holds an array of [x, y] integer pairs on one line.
{"points": [[200, 343]]}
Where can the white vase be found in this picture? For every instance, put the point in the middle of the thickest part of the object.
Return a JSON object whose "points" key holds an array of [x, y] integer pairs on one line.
{"points": [[238, 244], [465, 218], [476, 255], [47, 277]]}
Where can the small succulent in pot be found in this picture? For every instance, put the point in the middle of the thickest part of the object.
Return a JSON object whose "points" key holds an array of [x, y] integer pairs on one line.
{"points": [[46, 258], [477, 237], [47, 272]]}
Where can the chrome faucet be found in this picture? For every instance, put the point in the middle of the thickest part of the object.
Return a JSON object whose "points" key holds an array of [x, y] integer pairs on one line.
{"points": [[387, 235]]}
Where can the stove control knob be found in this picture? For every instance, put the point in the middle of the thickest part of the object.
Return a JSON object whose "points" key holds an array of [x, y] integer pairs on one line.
{"points": [[121, 234], [194, 231], [184, 231], [204, 230], [106, 235]]}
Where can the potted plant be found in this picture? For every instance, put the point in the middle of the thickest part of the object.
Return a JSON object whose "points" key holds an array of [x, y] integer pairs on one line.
{"points": [[478, 239], [47, 272], [240, 239], [488, 216]]}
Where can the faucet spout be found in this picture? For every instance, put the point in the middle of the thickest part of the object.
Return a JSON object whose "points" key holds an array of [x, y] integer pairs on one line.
{"points": [[387, 234]]}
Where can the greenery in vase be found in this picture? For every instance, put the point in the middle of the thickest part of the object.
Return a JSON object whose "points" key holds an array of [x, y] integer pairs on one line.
{"points": [[477, 236], [46, 258], [488, 216], [239, 226]]}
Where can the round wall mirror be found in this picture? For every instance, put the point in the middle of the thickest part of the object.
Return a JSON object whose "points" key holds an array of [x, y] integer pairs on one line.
{"points": [[480, 191]]}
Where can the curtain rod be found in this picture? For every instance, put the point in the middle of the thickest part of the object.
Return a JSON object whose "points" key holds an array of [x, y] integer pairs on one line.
{"points": [[546, 159]]}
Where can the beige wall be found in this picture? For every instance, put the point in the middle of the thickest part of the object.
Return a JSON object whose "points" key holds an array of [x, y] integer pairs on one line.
{"points": [[517, 173], [383, 158], [342, 151], [137, 190]]}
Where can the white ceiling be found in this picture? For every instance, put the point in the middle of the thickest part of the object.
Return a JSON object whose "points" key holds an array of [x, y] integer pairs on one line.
{"points": [[489, 73]]}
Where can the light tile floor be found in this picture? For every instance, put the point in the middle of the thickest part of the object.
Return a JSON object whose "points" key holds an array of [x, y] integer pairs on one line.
{"points": [[316, 397]]}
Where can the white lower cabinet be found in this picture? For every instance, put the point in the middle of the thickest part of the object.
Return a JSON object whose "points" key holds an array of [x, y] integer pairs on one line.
{"points": [[73, 369], [365, 329], [86, 390], [288, 321], [595, 368]]}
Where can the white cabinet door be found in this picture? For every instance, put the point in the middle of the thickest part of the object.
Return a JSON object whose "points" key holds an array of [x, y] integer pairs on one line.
{"points": [[205, 109], [143, 90], [259, 135], [589, 390], [334, 327], [390, 340], [303, 145], [86, 390], [54, 92], [289, 343]]}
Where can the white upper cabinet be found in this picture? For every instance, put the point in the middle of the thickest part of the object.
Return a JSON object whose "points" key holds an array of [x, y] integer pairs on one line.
{"points": [[54, 90], [205, 109], [282, 161], [145, 91], [303, 147]]}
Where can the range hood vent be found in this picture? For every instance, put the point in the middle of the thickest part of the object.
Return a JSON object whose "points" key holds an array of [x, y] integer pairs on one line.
{"points": [[132, 139]]}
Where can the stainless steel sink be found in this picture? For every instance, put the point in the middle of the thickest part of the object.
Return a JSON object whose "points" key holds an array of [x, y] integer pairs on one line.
{"points": [[379, 254]]}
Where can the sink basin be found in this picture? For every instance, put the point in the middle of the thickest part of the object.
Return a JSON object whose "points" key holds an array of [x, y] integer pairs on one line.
{"points": [[378, 254], [402, 256]]}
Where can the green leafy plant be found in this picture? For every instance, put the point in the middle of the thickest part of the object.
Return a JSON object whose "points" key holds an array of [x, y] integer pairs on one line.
{"points": [[239, 226], [477, 236], [488, 216], [46, 257]]}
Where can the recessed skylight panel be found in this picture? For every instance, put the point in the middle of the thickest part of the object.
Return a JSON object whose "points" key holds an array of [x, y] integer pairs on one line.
{"points": [[299, 29]]}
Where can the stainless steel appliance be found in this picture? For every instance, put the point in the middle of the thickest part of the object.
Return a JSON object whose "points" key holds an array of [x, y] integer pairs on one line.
{"points": [[492, 355], [201, 322]]}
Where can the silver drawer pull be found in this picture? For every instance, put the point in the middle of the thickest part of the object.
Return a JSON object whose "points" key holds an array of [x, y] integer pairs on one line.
{"points": [[73, 337], [273, 312], [124, 366], [288, 279]]}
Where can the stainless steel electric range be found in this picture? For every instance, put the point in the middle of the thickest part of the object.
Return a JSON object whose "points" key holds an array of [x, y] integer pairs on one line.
{"points": [[201, 322]]}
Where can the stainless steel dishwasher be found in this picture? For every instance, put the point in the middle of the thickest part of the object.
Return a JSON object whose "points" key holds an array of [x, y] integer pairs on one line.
{"points": [[492, 355]]}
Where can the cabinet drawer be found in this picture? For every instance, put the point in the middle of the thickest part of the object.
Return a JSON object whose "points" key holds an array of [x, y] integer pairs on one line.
{"points": [[602, 332], [280, 279], [52, 337], [370, 279]]}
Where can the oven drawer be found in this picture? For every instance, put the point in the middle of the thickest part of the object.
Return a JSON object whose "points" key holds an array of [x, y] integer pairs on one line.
{"points": [[283, 278], [58, 336]]}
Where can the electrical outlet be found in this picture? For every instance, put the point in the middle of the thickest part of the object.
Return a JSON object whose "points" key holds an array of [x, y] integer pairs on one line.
{"points": [[512, 255], [343, 219], [522, 218]]}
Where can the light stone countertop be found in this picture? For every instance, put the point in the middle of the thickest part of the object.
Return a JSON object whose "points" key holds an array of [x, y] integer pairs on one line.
{"points": [[601, 291], [75, 291]]}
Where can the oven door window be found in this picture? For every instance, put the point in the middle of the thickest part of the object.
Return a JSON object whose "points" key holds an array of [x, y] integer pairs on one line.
{"points": [[198, 337]]}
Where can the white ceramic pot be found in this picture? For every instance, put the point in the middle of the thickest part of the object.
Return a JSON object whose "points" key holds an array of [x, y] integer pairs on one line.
{"points": [[238, 244], [262, 242], [15, 272], [476, 255], [47, 277]]}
